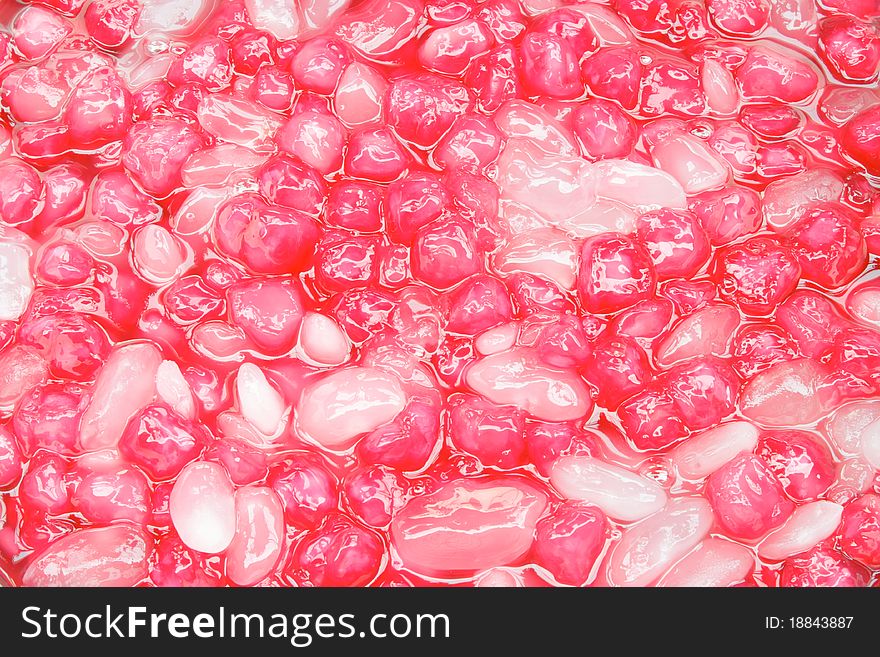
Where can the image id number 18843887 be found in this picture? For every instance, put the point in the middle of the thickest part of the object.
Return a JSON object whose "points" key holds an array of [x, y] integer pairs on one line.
{"points": [[808, 622]]}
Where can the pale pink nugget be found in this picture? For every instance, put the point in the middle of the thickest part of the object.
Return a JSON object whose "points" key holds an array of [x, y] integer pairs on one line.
{"points": [[785, 394], [258, 400], [609, 28], [720, 87], [157, 254], [281, 18], [637, 185], [544, 252], [864, 302], [117, 556], [620, 493], [514, 377], [259, 535], [380, 29], [498, 578], [154, 153], [322, 340], [125, 384], [16, 282], [347, 403], [202, 507], [318, 14], [704, 453], [38, 30], [707, 332], [33, 94], [21, 368], [468, 525], [691, 162], [519, 119], [360, 95], [649, 547], [218, 165], [848, 424], [497, 339], [854, 477], [450, 49], [101, 238], [714, 562], [316, 138], [197, 212], [239, 121], [550, 184], [786, 200], [171, 16], [174, 390], [219, 340], [807, 526]]}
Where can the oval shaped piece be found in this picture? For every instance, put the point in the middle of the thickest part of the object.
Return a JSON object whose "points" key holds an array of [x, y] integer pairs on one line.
{"points": [[258, 400], [202, 507], [360, 95], [174, 390], [544, 252], [785, 394], [497, 339], [863, 301], [343, 405], [706, 332], [603, 216], [220, 164], [651, 546], [170, 16], [621, 494], [259, 535], [713, 563], [158, 256], [278, 17], [786, 200], [847, 425], [322, 340], [554, 186], [380, 29], [468, 525], [125, 384], [514, 378], [21, 368], [805, 528], [16, 284], [238, 121], [702, 454], [722, 95], [690, 162], [519, 119], [638, 186], [116, 556]]}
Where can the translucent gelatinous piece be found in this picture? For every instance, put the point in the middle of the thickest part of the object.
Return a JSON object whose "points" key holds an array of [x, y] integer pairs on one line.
{"points": [[202, 507], [621, 494], [348, 403], [126, 383], [103, 556], [468, 525], [649, 547], [515, 378]]}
